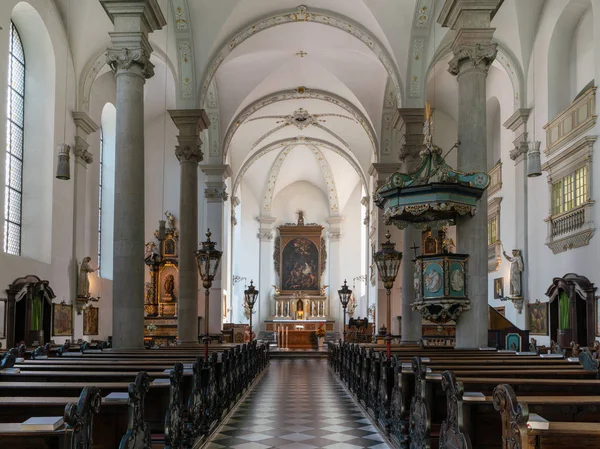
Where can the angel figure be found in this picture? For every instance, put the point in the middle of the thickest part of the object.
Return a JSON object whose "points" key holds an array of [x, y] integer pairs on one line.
{"points": [[322, 290], [170, 220], [277, 290]]}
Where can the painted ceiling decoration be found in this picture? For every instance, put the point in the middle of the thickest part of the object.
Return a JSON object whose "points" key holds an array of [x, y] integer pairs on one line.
{"points": [[301, 119], [295, 141], [301, 93], [389, 109], [325, 170], [303, 14], [420, 33], [212, 110]]}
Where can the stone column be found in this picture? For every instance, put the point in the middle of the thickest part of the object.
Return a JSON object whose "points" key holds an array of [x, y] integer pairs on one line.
{"points": [[410, 124], [518, 124], [215, 195], [382, 171], [474, 52], [129, 58], [190, 122], [265, 272], [334, 234]]}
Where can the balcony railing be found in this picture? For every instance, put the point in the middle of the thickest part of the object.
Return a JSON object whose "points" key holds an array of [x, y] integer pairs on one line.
{"points": [[572, 122], [571, 229], [495, 179]]}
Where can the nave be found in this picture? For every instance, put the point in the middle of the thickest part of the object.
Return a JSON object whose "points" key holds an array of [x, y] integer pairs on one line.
{"points": [[298, 404]]}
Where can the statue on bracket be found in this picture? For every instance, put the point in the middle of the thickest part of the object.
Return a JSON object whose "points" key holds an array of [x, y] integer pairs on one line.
{"points": [[516, 268], [83, 282]]}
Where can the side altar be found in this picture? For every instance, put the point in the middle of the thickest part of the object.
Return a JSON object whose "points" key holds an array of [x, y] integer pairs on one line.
{"points": [[161, 294], [300, 302]]}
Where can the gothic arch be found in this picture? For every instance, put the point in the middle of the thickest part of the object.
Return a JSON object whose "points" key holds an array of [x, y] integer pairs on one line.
{"points": [[303, 14]]}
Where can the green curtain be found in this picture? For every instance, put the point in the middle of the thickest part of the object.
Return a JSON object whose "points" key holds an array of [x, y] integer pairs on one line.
{"points": [[36, 312], [564, 311]]}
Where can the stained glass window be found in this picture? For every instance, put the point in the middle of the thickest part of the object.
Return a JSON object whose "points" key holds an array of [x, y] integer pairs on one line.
{"points": [[100, 205], [13, 184]]}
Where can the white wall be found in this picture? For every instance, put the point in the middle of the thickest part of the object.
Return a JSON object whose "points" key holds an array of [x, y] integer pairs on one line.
{"points": [[582, 54]]}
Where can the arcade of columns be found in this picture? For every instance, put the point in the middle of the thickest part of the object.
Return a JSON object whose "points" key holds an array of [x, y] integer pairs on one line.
{"points": [[129, 57]]}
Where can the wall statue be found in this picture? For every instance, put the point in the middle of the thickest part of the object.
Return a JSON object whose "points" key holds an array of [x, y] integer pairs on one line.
{"points": [[516, 268], [83, 282]]}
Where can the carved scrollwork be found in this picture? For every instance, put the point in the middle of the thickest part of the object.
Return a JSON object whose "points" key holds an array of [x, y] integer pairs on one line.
{"points": [[589, 363], [138, 431], [79, 416], [420, 417], [189, 153], [398, 429], [122, 60], [452, 435], [8, 361], [514, 417], [480, 55], [174, 419]]}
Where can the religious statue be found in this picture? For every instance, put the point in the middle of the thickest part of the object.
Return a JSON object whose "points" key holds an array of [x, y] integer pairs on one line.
{"points": [[516, 268], [169, 286], [150, 253], [83, 282], [170, 220], [322, 290], [277, 290], [300, 217]]}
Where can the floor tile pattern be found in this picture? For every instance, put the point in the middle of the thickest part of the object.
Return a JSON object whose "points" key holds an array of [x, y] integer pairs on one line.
{"points": [[298, 404]]}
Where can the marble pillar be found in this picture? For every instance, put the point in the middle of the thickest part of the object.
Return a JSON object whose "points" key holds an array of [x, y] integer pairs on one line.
{"points": [[190, 123], [265, 271], [215, 196], [129, 57], [410, 122], [474, 51]]}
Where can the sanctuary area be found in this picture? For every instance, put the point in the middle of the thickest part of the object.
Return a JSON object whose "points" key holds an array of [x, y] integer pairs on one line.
{"points": [[271, 224]]}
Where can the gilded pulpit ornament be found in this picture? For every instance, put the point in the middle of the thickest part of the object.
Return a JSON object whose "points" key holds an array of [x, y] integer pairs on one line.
{"points": [[434, 196]]}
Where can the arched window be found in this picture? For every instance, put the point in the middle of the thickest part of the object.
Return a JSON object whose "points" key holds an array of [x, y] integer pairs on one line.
{"points": [[106, 204], [100, 205], [14, 144]]}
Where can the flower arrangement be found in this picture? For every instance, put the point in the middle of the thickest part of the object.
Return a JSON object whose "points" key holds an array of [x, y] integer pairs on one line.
{"points": [[151, 327], [320, 332]]}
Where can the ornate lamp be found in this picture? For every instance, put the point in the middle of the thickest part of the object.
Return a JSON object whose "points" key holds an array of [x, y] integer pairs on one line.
{"points": [[388, 261], [345, 293], [251, 296], [208, 260]]}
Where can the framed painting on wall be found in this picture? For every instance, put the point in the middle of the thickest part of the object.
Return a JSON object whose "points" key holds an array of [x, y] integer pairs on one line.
{"points": [[513, 342], [90, 321], [498, 288], [538, 318], [62, 320]]}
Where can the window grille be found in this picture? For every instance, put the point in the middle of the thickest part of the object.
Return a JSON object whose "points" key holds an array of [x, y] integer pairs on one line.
{"points": [[15, 106]]}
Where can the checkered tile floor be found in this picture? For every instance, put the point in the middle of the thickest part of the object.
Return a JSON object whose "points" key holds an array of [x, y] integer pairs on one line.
{"points": [[298, 404]]}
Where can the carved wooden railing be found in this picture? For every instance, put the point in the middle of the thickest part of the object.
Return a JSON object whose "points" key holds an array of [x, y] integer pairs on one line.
{"points": [[420, 415], [373, 388], [175, 419], [398, 410], [40, 352], [386, 384], [572, 122], [514, 418], [452, 434], [138, 430], [64, 348], [79, 417], [8, 361]]}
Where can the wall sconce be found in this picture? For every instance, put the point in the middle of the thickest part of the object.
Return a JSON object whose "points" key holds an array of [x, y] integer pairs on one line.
{"points": [[63, 168]]}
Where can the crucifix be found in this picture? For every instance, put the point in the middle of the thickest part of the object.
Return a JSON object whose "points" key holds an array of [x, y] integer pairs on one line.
{"points": [[301, 53], [415, 248]]}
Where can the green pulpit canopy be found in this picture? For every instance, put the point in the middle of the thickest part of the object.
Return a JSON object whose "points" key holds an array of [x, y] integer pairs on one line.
{"points": [[432, 196]]}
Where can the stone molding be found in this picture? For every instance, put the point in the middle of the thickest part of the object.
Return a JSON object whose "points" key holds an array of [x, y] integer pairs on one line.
{"points": [[334, 236], [479, 55], [84, 123], [265, 236], [458, 14]]}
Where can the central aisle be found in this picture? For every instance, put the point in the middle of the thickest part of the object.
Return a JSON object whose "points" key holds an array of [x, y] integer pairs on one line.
{"points": [[298, 404]]}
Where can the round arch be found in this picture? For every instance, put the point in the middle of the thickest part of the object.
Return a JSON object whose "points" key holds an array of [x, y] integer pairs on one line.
{"points": [[301, 93], [303, 14], [282, 144]]}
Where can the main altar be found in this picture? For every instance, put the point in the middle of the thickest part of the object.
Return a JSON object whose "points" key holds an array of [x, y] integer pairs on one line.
{"points": [[300, 303]]}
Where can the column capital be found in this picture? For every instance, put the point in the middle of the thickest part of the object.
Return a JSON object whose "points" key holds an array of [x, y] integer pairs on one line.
{"points": [[458, 14], [190, 122], [80, 149], [479, 56], [216, 192], [135, 15], [265, 230]]}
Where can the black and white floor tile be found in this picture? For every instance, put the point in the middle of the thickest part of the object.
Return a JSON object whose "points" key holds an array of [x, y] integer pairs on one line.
{"points": [[298, 404]]}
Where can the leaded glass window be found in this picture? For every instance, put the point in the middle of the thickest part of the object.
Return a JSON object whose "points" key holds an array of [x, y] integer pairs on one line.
{"points": [[570, 191], [13, 184], [100, 205]]}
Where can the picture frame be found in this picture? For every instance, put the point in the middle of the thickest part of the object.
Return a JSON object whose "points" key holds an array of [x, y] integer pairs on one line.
{"points": [[513, 342], [300, 260], [499, 288], [90, 320], [537, 314], [62, 320]]}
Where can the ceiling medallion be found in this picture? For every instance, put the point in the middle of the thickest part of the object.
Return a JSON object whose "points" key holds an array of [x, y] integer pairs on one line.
{"points": [[301, 119], [302, 53]]}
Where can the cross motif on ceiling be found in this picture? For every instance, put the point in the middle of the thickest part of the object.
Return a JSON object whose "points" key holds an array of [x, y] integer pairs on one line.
{"points": [[301, 53]]}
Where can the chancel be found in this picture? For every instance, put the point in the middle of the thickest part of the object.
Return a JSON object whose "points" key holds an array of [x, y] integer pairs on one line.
{"points": [[379, 213]]}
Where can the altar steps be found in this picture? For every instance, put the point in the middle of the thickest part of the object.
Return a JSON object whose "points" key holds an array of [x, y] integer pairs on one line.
{"points": [[282, 353]]}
